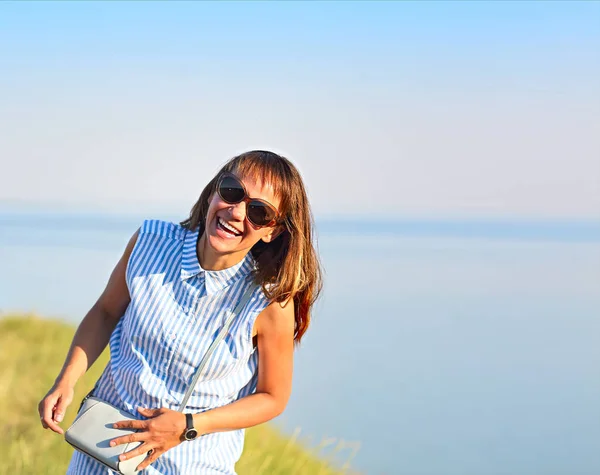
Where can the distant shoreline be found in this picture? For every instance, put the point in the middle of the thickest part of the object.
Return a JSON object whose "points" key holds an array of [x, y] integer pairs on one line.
{"points": [[563, 230]]}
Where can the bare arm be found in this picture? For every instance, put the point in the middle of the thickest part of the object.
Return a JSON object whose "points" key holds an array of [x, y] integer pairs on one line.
{"points": [[89, 341], [164, 428], [275, 332]]}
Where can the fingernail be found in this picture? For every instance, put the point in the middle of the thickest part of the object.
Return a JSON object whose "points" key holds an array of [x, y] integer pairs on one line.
{"points": [[115, 426], [112, 444], [59, 417], [121, 457]]}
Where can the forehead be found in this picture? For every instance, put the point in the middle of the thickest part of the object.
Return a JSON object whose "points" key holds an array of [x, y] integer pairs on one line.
{"points": [[259, 188]]}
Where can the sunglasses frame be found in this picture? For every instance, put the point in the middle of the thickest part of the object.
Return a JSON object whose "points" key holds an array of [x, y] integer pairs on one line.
{"points": [[246, 199]]}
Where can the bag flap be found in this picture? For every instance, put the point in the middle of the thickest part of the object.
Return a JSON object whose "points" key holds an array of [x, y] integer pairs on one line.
{"points": [[92, 431]]}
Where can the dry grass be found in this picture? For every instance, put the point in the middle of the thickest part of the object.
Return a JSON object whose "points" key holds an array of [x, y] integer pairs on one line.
{"points": [[32, 351]]}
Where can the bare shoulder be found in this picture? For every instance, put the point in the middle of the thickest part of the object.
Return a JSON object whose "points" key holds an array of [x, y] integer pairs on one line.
{"points": [[131, 244], [276, 318], [115, 297], [122, 264]]}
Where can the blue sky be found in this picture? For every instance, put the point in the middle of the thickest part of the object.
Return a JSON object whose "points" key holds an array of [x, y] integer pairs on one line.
{"points": [[388, 108]]}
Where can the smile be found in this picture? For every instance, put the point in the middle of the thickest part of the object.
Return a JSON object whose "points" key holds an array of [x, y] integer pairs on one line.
{"points": [[228, 228]]}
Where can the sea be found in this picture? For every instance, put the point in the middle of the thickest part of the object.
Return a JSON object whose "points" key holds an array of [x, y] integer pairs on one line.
{"points": [[438, 347]]}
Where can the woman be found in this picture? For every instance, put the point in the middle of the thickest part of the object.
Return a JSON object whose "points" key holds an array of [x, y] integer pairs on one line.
{"points": [[166, 300]]}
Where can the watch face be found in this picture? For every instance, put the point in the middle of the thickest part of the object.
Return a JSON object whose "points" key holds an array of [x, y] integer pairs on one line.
{"points": [[191, 434]]}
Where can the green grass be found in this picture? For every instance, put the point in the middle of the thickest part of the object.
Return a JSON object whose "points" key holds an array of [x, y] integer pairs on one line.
{"points": [[32, 351]]}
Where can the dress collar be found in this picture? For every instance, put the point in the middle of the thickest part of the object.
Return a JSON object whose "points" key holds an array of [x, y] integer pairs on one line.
{"points": [[215, 280]]}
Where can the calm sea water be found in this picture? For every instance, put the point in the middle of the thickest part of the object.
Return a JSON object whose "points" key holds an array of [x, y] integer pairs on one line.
{"points": [[439, 352]]}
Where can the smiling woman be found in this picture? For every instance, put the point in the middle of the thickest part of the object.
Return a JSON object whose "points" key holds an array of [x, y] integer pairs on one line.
{"points": [[247, 244]]}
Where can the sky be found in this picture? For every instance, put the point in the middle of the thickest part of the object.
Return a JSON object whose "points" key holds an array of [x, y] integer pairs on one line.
{"points": [[473, 109]]}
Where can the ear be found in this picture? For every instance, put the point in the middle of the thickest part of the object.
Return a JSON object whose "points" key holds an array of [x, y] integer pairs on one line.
{"points": [[273, 233]]}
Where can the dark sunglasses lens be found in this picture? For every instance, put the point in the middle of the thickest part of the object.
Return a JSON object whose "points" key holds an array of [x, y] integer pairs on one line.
{"points": [[259, 213], [231, 190]]}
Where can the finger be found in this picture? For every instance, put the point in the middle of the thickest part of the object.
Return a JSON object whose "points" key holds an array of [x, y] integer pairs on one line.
{"points": [[148, 412], [131, 425], [41, 414], [48, 420], [42, 409], [142, 449], [61, 408], [53, 426], [44, 425], [152, 456], [127, 439]]}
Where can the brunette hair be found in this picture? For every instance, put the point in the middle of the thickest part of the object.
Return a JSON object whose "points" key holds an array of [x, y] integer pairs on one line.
{"points": [[288, 266]]}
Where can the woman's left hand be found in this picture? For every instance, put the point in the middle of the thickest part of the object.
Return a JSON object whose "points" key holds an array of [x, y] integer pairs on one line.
{"points": [[162, 431]]}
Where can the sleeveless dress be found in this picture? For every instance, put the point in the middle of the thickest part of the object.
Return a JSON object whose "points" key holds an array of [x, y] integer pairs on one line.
{"points": [[176, 311]]}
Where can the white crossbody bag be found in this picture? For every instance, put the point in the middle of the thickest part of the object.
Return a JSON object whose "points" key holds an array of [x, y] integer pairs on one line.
{"points": [[92, 431]]}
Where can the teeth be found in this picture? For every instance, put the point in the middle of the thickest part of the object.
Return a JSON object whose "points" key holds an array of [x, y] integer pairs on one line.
{"points": [[228, 227]]}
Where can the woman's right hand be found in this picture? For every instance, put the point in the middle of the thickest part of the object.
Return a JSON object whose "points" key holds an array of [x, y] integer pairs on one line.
{"points": [[54, 405], [90, 339]]}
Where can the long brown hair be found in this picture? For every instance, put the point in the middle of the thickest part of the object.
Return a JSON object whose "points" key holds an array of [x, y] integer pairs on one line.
{"points": [[288, 266]]}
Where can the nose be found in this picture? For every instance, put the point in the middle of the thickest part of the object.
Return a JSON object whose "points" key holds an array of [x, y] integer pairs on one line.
{"points": [[238, 211]]}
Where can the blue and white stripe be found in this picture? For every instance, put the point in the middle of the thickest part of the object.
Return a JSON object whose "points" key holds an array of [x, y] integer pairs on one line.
{"points": [[176, 311]]}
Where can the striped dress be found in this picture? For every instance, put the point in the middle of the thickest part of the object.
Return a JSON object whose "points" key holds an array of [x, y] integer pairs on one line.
{"points": [[176, 311]]}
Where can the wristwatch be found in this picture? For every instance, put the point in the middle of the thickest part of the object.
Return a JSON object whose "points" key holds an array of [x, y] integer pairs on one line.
{"points": [[190, 433]]}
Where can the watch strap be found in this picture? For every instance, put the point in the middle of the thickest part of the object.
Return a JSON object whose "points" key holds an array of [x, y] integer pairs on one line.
{"points": [[189, 421]]}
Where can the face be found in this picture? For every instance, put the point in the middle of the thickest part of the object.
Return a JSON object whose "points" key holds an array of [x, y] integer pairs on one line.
{"points": [[228, 232]]}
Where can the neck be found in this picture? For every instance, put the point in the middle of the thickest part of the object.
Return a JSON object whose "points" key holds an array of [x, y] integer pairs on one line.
{"points": [[210, 260]]}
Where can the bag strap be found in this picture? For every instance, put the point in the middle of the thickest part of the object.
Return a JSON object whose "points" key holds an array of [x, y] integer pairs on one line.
{"points": [[217, 340]]}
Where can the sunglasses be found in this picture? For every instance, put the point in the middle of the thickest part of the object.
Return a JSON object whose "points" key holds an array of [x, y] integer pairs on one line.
{"points": [[259, 212]]}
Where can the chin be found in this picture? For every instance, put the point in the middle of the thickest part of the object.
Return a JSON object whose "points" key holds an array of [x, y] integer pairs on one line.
{"points": [[220, 245]]}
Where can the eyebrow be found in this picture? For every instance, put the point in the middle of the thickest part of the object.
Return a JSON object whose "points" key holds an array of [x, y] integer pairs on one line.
{"points": [[263, 185]]}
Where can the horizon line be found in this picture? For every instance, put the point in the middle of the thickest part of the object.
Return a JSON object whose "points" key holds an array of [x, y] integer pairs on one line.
{"points": [[17, 206], [503, 228]]}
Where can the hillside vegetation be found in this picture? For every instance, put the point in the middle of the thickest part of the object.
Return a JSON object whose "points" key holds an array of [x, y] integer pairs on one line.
{"points": [[32, 351]]}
